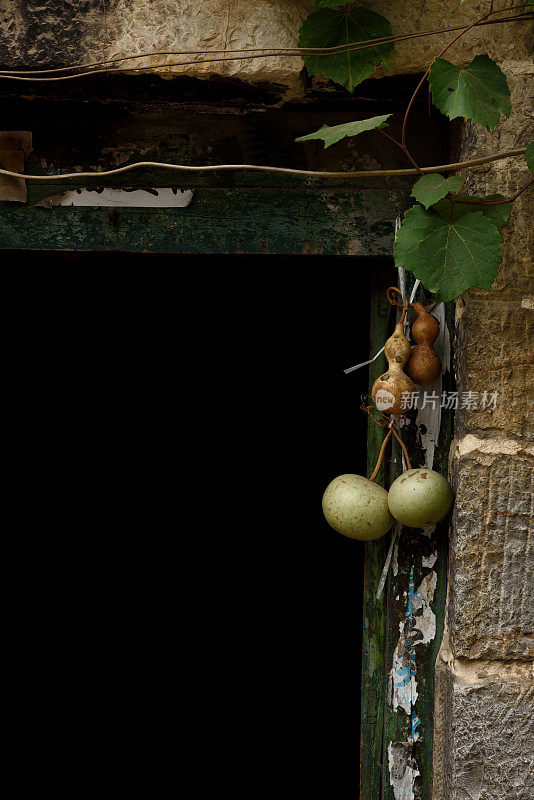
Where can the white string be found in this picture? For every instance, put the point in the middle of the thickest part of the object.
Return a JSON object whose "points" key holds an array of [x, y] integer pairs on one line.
{"points": [[364, 363], [398, 527], [402, 286], [396, 534]]}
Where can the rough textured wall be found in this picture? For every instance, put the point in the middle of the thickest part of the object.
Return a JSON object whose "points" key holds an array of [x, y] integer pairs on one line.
{"points": [[483, 734], [81, 31], [484, 704]]}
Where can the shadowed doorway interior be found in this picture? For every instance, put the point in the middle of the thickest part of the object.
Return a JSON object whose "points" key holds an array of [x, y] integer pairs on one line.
{"points": [[209, 633]]}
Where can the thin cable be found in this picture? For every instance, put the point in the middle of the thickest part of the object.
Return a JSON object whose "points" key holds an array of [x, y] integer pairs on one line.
{"points": [[263, 52], [372, 173], [87, 69]]}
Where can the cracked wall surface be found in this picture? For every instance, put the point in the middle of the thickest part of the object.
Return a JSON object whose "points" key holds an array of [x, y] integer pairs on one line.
{"points": [[60, 32], [483, 734], [484, 688]]}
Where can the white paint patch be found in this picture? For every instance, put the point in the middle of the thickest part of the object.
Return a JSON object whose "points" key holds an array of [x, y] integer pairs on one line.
{"points": [[429, 561], [425, 621], [395, 567], [418, 627], [402, 680], [121, 198], [402, 771], [428, 418], [402, 685]]}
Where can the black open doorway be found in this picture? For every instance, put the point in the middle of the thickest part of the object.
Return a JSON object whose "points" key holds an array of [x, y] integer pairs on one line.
{"points": [[207, 621]]}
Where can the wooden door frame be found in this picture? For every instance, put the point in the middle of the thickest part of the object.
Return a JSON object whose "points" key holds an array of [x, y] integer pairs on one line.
{"points": [[380, 724]]}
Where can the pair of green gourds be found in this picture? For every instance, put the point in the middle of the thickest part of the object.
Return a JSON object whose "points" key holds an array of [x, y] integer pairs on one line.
{"points": [[360, 509]]}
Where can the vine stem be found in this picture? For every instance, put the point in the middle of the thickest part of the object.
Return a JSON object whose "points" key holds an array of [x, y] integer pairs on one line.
{"points": [[484, 202], [392, 430], [427, 73], [381, 455], [252, 53], [370, 173], [404, 150], [404, 450]]}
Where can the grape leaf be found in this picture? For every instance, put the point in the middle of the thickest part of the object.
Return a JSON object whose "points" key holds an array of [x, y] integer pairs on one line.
{"points": [[499, 215], [479, 92], [330, 27], [448, 257], [330, 134], [431, 188], [529, 156]]}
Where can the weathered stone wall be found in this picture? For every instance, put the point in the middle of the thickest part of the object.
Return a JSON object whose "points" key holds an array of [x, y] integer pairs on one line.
{"points": [[484, 696], [484, 703], [60, 32]]}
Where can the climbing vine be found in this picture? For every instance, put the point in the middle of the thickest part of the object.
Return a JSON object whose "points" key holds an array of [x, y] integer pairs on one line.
{"points": [[450, 241]]}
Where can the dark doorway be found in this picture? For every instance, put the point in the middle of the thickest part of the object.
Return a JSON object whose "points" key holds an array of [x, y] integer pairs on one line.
{"points": [[200, 622]]}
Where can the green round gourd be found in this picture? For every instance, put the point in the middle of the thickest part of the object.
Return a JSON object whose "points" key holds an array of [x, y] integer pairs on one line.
{"points": [[420, 497], [357, 508]]}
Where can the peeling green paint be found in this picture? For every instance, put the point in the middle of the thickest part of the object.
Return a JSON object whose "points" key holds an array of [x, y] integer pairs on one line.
{"points": [[217, 221]]}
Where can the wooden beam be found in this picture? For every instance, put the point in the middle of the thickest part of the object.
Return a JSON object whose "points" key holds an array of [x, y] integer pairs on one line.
{"points": [[302, 220]]}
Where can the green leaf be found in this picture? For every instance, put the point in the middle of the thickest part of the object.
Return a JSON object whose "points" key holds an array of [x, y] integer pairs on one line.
{"points": [[499, 214], [330, 134], [330, 27], [431, 188], [479, 92], [529, 156], [448, 257]]}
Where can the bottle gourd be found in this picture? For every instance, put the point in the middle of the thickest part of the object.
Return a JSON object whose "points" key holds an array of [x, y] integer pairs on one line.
{"points": [[424, 365], [388, 389], [357, 508]]}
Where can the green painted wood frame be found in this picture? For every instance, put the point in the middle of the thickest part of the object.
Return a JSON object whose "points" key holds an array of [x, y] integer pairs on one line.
{"points": [[331, 216], [380, 725]]}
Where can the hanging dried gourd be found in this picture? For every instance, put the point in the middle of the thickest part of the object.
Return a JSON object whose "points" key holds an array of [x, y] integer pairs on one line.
{"points": [[355, 506], [389, 388], [424, 365]]}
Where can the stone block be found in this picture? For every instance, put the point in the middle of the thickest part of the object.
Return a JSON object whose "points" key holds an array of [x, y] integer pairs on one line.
{"points": [[492, 554], [495, 329], [484, 728], [73, 31]]}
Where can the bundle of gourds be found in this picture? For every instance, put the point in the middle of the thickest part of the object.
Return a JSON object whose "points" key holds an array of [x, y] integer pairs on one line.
{"points": [[356, 506]]}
